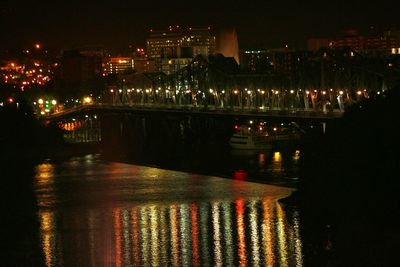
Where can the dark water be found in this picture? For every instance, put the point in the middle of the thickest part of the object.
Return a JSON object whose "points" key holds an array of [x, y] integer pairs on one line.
{"points": [[97, 213]]}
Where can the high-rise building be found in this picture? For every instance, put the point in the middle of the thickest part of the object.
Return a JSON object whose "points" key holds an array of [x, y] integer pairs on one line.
{"points": [[386, 44], [166, 47], [177, 42]]}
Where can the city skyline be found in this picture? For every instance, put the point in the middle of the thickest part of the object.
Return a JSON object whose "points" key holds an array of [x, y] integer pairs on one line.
{"points": [[123, 23]]}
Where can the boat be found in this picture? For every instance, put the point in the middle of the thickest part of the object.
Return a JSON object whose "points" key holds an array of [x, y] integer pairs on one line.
{"points": [[258, 136], [250, 138]]}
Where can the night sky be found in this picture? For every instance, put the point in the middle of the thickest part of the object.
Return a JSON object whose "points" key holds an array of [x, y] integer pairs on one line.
{"points": [[117, 24]]}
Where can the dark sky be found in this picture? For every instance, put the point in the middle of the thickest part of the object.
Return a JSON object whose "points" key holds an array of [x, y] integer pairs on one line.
{"points": [[120, 23]]}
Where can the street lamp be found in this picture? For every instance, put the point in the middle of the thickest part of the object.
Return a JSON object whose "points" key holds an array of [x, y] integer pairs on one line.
{"points": [[87, 100]]}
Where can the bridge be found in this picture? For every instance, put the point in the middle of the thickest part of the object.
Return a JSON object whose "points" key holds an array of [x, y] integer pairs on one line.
{"points": [[210, 95]]}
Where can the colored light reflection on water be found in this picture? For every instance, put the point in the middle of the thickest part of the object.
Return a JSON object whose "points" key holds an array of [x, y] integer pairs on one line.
{"points": [[187, 220]]}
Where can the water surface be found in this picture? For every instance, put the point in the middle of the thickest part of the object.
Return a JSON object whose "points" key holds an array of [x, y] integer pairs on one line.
{"points": [[95, 213]]}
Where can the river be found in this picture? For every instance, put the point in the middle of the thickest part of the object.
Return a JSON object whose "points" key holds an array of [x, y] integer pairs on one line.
{"points": [[94, 212]]}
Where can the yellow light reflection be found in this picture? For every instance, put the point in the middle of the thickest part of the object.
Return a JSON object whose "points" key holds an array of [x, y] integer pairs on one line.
{"points": [[45, 173], [173, 214], [282, 242], [268, 231], [48, 237], [296, 155], [277, 162], [277, 157], [117, 235]]}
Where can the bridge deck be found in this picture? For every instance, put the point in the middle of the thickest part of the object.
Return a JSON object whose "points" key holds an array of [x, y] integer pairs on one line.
{"points": [[210, 111]]}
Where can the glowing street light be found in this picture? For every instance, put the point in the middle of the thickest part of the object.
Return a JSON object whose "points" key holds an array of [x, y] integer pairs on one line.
{"points": [[40, 101], [54, 102], [87, 100]]}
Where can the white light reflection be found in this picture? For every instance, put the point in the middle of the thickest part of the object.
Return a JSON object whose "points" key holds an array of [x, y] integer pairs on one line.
{"points": [[185, 234], [125, 235], [217, 234], [154, 236], [144, 236], [297, 240], [226, 211], [254, 233]]}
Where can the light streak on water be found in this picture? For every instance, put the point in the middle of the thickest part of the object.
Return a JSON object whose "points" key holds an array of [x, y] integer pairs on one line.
{"points": [[268, 231], [154, 233], [254, 234], [185, 234], [226, 209], [48, 237], [205, 250], [173, 214], [195, 234], [241, 232], [217, 235], [117, 236], [282, 243], [144, 235], [135, 236], [126, 237]]}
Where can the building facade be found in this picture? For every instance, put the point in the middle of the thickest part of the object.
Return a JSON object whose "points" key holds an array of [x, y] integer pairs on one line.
{"points": [[387, 43], [166, 47]]}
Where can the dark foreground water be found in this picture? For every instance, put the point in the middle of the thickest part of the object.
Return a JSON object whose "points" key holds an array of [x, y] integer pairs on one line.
{"points": [[96, 213]]}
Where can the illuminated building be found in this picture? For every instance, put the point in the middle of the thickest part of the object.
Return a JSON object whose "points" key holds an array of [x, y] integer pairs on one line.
{"points": [[144, 65], [386, 44], [253, 59], [178, 43], [169, 66], [118, 65]]}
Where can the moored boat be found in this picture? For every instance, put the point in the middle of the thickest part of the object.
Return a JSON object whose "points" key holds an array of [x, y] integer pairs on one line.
{"points": [[258, 137]]}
